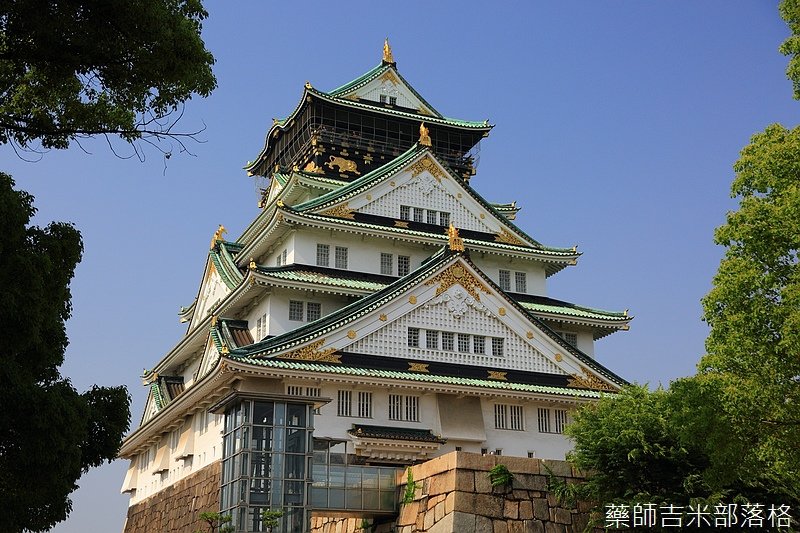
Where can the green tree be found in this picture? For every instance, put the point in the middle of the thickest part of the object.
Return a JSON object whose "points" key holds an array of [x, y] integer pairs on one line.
{"points": [[790, 11], [216, 522], [78, 68], [49, 433], [271, 519]]}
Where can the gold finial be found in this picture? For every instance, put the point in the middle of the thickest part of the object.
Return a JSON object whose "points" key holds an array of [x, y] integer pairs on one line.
{"points": [[280, 203], [308, 85], [424, 135], [218, 235], [626, 312], [274, 121], [456, 244], [252, 265], [387, 52], [575, 248], [225, 350]]}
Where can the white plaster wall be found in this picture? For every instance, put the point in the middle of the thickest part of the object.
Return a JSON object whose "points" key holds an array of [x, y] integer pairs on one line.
{"points": [[287, 243], [279, 308], [535, 274], [519, 443]]}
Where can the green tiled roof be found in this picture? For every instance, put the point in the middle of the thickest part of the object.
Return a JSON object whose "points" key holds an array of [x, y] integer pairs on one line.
{"points": [[419, 377], [225, 264], [576, 311], [320, 278]]}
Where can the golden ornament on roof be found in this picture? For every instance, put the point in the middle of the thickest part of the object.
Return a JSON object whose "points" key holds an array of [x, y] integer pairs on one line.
{"points": [[424, 135], [218, 235], [455, 242], [387, 52]]}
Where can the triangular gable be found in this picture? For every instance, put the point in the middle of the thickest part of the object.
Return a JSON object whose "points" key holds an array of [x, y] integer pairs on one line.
{"points": [[418, 180], [450, 294], [385, 82], [212, 290]]}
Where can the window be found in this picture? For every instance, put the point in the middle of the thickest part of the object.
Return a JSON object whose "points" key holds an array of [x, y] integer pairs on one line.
{"points": [[314, 392], [432, 218], [403, 265], [497, 346], [382, 98], [404, 408], [509, 417], [479, 345], [405, 212], [387, 264], [392, 100], [294, 390], [174, 438], [295, 310], [505, 280], [544, 420], [463, 343], [531, 455], [444, 219], [413, 337], [418, 211], [261, 327], [340, 257], [447, 341], [365, 404], [484, 451], [560, 420], [202, 422], [498, 451], [432, 339], [313, 311], [323, 255], [344, 405], [571, 338], [281, 259], [520, 282]]}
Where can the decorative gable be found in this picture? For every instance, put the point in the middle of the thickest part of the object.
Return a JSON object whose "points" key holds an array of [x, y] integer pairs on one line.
{"points": [[212, 291], [389, 88]]}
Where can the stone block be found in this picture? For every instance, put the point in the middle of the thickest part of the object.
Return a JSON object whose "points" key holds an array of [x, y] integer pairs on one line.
{"points": [[408, 514], [428, 521], [464, 501], [511, 509], [475, 461], [482, 482], [489, 505], [530, 482], [483, 524], [580, 521], [444, 525], [449, 503], [557, 468], [552, 527], [562, 516], [465, 480], [534, 526], [442, 482], [499, 526], [520, 465], [438, 511], [526, 509], [463, 522], [541, 511]]}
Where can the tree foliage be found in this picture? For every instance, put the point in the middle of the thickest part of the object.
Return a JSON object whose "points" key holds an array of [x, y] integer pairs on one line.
{"points": [[77, 68], [49, 433], [790, 11]]}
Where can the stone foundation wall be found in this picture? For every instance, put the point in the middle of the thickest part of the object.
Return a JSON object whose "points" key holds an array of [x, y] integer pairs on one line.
{"points": [[176, 508], [455, 495]]}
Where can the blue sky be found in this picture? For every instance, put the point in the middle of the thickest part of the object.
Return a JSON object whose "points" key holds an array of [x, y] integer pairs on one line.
{"points": [[617, 127]]}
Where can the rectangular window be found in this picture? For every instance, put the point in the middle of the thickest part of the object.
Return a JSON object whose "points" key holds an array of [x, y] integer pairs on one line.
{"points": [[202, 422], [261, 327], [531, 455], [314, 392], [294, 390], [418, 212], [405, 408], [500, 416], [505, 280], [463, 343], [284, 255], [313, 311], [403, 265], [392, 100], [365, 404], [340, 257], [544, 420], [413, 337], [344, 405], [571, 338], [479, 345], [560, 420], [387, 264], [279, 259], [382, 98], [516, 418], [444, 219], [447, 341], [295, 310], [497, 346], [520, 282], [432, 218], [412, 408], [405, 212], [323, 255], [174, 438], [432, 339]]}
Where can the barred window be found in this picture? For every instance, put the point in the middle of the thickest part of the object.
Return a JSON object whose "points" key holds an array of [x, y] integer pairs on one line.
{"points": [[444, 219], [387, 264], [432, 218], [432, 339], [497, 346], [295, 310], [261, 327], [447, 341], [520, 282], [392, 100], [404, 408], [365, 404], [418, 211], [403, 265], [314, 392], [382, 98], [294, 390], [571, 338], [340, 257], [544, 420], [405, 212], [344, 405], [313, 311], [283, 257], [560, 420], [463, 343], [505, 280], [509, 417], [413, 337], [479, 344], [500, 416], [323, 255]]}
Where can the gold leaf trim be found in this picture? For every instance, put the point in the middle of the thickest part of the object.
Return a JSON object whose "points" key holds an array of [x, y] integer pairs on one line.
{"points": [[588, 381], [457, 274], [493, 374], [313, 168], [529, 334], [383, 317], [507, 237], [427, 164], [340, 211], [559, 357], [412, 299], [502, 311], [418, 367], [351, 334], [312, 352], [401, 224]]}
